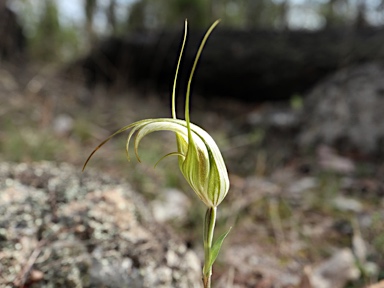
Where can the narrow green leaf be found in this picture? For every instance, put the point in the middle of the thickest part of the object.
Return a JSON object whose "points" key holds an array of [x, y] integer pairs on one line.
{"points": [[169, 154], [177, 71], [187, 96], [125, 128], [216, 247]]}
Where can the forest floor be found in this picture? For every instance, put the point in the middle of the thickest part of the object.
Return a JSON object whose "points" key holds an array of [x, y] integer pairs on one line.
{"points": [[302, 219]]}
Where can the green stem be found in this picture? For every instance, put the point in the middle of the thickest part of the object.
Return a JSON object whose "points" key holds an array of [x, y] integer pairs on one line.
{"points": [[177, 71], [209, 228], [206, 36]]}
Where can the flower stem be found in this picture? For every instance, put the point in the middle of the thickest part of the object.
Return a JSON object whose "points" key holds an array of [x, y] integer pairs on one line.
{"points": [[209, 228]]}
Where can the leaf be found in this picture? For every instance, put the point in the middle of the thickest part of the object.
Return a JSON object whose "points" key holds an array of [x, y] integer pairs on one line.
{"points": [[169, 154], [216, 247]]}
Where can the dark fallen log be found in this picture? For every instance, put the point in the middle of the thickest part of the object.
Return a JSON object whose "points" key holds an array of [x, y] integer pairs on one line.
{"points": [[246, 65], [12, 39]]}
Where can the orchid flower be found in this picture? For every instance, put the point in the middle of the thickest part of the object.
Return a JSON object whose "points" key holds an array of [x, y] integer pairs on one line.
{"points": [[199, 158]]}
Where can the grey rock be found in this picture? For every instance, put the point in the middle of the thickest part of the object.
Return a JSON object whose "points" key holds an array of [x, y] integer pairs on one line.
{"points": [[302, 185], [347, 110], [84, 230], [336, 271], [172, 205], [63, 124], [331, 161], [343, 203], [275, 116]]}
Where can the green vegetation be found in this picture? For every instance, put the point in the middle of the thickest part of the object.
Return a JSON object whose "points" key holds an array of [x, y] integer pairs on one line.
{"points": [[49, 40], [53, 38]]}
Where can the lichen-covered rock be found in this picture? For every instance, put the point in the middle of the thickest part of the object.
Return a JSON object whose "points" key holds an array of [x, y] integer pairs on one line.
{"points": [[63, 228], [346, 110]]}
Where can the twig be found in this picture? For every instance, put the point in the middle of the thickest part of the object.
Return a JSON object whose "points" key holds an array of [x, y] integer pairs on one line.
{"points": [[22, 277]]}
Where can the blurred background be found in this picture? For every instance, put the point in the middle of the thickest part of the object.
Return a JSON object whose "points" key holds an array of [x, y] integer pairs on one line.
{"points": [[291, 90], [71, 28]]}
